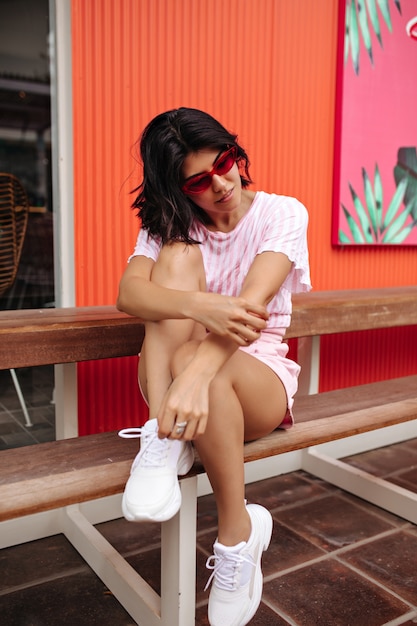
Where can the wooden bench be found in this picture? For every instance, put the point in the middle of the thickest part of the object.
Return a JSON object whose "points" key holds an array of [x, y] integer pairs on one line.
{"points": [[70, 485]]}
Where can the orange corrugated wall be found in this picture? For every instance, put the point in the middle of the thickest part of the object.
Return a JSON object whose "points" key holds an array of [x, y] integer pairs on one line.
{"points": [[267, 70]]}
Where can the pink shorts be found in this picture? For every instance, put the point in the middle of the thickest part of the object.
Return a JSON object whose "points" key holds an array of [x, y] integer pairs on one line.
{"points": [[270, 350]]}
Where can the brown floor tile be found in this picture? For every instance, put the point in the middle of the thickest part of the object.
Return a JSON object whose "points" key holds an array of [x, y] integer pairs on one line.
{"points": [[282, 490], [202, 576], [287, 549], [272, 493], [384, 461], [148, 565], [81, 599], [8, 425], [384, 515], [332, 522], [206, 513], [205, 541], [407, 479], [16, 440], [411, 443], [42, 430], [316, 480], [267, 617], [391, 561], [39, 415], [201, 618], [128, 537], [411, 529], [329, 593], [30, 562]]}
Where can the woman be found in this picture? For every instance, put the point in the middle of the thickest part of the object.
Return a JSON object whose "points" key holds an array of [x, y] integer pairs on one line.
{"points": [[212, 275]]}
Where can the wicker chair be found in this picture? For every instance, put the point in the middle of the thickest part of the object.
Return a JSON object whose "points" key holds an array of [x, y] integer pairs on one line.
{"points": [[14, 210]]}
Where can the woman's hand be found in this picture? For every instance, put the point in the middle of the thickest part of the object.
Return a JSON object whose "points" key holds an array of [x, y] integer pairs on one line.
{"points": [[185, 402], [230, 317]]}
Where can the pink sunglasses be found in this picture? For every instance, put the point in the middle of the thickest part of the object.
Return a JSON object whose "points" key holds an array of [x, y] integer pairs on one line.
{"points": [[200, 182]]}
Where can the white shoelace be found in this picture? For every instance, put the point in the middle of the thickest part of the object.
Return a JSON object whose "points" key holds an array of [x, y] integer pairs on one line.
{"points": [[153, 451], [225, 567]]}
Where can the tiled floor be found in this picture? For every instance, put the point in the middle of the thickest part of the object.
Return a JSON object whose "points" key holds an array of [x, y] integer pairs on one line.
{"points": [[334, 560], [37, 385]]}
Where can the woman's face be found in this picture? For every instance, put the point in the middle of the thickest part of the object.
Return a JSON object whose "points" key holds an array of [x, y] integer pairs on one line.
{"points": [[224, 192]]}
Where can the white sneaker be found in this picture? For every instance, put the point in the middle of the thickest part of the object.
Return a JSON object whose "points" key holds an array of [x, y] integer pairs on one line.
{"points": [[152, 492], [237, 576]]}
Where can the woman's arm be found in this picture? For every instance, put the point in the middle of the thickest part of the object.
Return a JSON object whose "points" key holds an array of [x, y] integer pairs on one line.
{"points": [[265, 277], [237, 319], [263, 281]]}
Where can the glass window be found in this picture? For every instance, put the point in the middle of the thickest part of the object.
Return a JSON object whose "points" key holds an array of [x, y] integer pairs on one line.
{"points": [[25, 154]]}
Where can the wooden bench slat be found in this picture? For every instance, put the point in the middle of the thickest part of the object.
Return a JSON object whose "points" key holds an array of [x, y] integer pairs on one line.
{"points": [[327, 312], [314, 432], [58, 457], [63, 472], [37, 495], [37, 337], [361, 397], [53, 347], [94, 466], [65, 456], [67, 335]]}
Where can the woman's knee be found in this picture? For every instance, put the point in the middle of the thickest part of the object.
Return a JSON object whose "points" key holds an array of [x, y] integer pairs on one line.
{"points": [[181, 265]]}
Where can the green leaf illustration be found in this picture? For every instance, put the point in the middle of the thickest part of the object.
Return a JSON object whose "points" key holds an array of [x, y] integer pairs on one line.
{"points": [[370, 201], [343, 238], [402, 235], [363, 215], [354, 36], [384, 6], [396, 227], [373, 15], [379, 195], [354, 228], [363, 17], [363, 23], [367, 220], [395, 203]]}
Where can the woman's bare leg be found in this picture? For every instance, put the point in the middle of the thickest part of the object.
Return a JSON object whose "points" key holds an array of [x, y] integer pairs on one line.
{"points": [[178, 267], [247, 401]]}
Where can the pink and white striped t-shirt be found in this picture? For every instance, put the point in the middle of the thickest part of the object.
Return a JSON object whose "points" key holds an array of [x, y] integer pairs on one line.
{"points": [[273, 223]]}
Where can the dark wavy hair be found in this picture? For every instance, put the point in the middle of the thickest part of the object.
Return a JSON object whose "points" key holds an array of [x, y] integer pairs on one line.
{"points": [[164, 210]]}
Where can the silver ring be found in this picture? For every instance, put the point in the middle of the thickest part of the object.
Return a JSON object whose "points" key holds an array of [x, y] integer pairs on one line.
{"points": [[180, 427]]}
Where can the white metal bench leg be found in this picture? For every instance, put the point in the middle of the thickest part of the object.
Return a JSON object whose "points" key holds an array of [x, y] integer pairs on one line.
{"points": [[176, 606], [382, 493], [16, 383], [308, 357], [178, 560], [130, 589]]}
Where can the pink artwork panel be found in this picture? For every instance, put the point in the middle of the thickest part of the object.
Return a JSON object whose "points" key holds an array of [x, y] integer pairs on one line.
{"points": [[375, 186]]}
